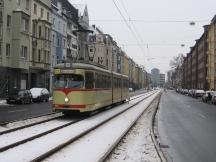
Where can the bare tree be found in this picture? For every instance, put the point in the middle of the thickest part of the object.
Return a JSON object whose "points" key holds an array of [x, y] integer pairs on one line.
{"points": [[176, 64], [177, 61]]}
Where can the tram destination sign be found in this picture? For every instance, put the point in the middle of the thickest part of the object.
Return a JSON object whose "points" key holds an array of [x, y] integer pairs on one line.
{"points": [[63, 71]]}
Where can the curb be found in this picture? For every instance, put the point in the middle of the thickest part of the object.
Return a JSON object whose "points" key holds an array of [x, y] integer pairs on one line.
{"points": [[157, 147]]}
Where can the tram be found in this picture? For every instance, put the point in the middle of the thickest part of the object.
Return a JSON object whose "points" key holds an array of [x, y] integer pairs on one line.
{"points": [[83, 87]]}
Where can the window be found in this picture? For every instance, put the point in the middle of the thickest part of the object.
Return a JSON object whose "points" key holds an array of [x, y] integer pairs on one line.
{"points": [[27, 5], [89, 80], [53, 40], [34, 29], [8, 21], [34, 57], [24, 52], [25, 23], [58, 42], [64, 43], [18, 2], [0, 49], [39, 55], [42, 12], [53, 22], [68, 81], [48, 56], [35, 9], [47, 16], [7, 49], [46, 32], [64, 30], [59, 25], [40, 31], [49, 32], [44, 56]]}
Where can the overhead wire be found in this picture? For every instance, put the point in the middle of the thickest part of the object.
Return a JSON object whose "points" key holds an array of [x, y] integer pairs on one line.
{"points": [[126, 22], [151, 21], [135, 29]]}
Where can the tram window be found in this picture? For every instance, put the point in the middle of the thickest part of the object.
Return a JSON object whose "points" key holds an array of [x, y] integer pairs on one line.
{"points": [[96, 80], [89, 80], [68, 81]]}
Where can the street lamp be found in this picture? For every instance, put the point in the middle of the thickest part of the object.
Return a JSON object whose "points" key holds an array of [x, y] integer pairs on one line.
{"points": [[192, 23]]}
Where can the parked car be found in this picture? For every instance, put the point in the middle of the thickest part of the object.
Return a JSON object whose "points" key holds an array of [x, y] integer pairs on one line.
{"points": [[19, 96], [191, 92], [213, 99], [40, 94], [198, 93], [208, 96], [130, 89]]}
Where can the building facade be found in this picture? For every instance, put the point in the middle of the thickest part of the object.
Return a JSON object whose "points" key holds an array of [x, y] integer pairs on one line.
{"points": [[195, 67], [211, 52], [155, 77], [41, 43], [162, 80], [15, 45]]}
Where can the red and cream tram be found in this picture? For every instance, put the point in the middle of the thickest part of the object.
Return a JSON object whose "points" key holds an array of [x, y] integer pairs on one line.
{"points": [[82, 87]]}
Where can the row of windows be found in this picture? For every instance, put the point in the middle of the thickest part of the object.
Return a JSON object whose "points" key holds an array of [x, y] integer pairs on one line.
{"points": [[40, 56], [23, 53], [41, 12], [38, 31], [100, 80]]}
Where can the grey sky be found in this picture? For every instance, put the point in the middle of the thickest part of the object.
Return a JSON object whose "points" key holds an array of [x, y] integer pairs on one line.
{"points": [[164, 39]]}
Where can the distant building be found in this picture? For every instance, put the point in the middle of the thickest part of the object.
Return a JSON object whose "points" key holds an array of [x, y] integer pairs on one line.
{"points": [[155, 77], [162, 80]]}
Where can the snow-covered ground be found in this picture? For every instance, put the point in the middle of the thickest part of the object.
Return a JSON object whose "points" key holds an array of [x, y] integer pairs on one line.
{"points": [[137, 145], [21, 123], [39, 146], [97, 144]]}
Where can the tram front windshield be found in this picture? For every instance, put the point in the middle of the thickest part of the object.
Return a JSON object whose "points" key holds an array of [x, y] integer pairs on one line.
{"points": [[68, 81]]}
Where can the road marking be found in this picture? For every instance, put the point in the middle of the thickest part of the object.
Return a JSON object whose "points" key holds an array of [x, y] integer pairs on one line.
{"points": [[203, 116], [17, 111]]}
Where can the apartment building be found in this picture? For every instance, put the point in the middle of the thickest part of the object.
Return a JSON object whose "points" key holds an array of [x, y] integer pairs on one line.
{"points": [[14, 44], [155, 77], [41, 27], [195, 65], [211, 52], [162, 80]]}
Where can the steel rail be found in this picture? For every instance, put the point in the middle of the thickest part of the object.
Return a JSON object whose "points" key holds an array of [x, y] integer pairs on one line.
{"points": [[109, 151], [47, 120], [28, 125], [73, 139], [8, 122], [38, 135]]}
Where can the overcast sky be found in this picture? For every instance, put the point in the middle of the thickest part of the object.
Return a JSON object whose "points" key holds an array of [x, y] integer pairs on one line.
{"points": [[162, 24]]}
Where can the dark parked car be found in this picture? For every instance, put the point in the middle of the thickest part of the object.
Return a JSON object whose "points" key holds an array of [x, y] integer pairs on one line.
{"points": [[19, 96], [208, 96], [40, 94]]}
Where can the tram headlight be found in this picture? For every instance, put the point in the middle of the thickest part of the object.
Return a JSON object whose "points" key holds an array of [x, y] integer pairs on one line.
{"points": [[66, 99]]}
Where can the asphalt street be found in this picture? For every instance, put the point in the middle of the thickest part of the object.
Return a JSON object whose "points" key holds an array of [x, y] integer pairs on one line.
{"points": [[188, 127], [15, 112]]}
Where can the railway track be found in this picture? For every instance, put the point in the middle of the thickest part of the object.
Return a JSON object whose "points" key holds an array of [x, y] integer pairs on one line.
{"points": [[84, 126], [48, 118]]}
